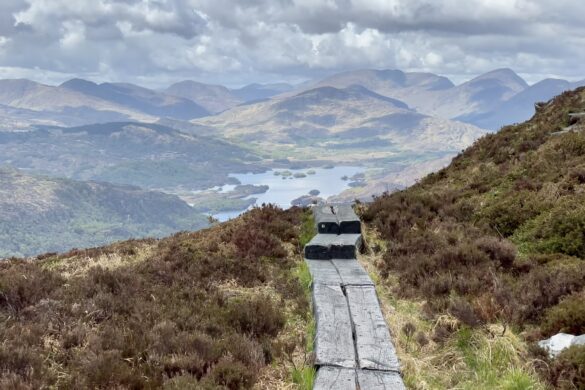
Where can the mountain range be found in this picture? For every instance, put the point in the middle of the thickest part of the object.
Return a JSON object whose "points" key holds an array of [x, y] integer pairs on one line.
{"points": [[347, 118], [192, 136], [488, 101], [491, 100]]}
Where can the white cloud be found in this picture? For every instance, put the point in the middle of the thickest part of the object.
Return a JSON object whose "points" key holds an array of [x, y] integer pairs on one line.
{"points": [[233, 41], [73, 34]]}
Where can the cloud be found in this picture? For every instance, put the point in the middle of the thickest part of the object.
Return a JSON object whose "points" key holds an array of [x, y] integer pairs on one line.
{"points": [[234, 41]]}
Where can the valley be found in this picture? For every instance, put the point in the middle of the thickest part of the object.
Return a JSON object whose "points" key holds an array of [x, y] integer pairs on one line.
{"points": [[218, 148], [41, 214]]}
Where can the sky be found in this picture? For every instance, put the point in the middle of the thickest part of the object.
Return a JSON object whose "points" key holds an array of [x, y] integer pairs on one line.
{"points": [[236, 42]]}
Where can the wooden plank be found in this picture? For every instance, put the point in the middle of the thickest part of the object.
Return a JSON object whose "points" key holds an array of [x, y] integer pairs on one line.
{"points": [[319, 248], [379, 380], [346, 246], [348, 221], [373, 343], [325, 220], [324, 272], [351, 272], [330, 246], [335, 378], [334, 344]]}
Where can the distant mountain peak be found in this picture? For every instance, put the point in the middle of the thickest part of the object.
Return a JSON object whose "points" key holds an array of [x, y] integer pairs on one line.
{"points": [[352, 91], [504, 75], [77, 82]]}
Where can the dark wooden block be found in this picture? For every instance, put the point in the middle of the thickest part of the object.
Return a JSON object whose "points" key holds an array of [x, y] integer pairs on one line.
{"points": [[325, 220], [345, 246], [348, 221]]}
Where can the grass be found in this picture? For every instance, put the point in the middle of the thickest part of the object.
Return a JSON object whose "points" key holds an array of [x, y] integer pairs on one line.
{"points": [[308, 229], [467, 358], [304, 376]]}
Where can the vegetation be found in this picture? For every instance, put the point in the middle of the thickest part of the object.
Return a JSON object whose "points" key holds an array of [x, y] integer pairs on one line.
{"points": [[215, 309], [304, 375], [40, 214], [496, 239], [146, 155]]}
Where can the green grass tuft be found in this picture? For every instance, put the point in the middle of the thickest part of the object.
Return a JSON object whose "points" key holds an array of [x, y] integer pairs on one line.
{"points": [[304, 377]]}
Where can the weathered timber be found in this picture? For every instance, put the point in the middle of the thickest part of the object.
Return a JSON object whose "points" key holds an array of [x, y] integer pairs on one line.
{"points": [[352, 273], [324, 272], [334, 344], [335, 378], [348, 221], [329, 246], [338, 272], [319, 247], [346, 246], [373, 343], [325, 220], [379, 380]]}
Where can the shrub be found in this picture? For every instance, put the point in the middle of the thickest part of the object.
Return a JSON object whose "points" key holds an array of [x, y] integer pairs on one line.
{"points": [[566, 317], [567, 371], [22, 284], [257, 316], [232, 375], [159, 322], [500, 251]]}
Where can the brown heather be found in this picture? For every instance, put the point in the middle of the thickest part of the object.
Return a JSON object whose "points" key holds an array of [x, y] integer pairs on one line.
{"points": [[151, 314], [499, 235]]}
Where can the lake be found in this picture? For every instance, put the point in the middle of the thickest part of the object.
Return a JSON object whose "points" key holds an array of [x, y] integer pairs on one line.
{"points": [[282, 191]]}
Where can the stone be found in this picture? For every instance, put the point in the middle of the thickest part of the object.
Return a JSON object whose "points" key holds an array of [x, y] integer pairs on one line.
{"points": [[559, 342]]}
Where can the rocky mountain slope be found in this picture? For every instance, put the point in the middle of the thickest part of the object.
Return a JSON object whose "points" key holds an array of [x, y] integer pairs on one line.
{"points": [[140, 99], [215, 98], [80, 102], [353, 117], [520, 107], [497, 237], [41, 214], [147, 155], [254, 92]]}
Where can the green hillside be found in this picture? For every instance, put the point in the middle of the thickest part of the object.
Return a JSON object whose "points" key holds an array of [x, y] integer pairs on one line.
{"points": [[40, 214], [496, 238], [221, 308]]}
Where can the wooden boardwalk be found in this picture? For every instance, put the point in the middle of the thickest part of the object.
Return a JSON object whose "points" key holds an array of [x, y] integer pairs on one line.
{"points": [[353, 346]]}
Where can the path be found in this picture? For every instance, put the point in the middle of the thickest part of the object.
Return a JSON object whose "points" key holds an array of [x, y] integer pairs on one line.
{"points": [[353, 347]]}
